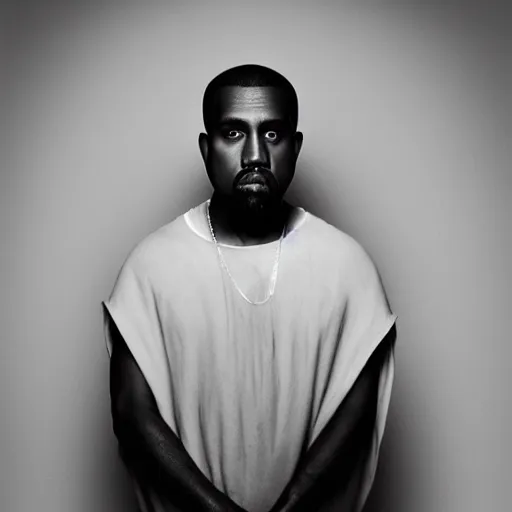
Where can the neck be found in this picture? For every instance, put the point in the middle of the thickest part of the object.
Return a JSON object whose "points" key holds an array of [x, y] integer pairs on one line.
{"points": [[234, 225]]}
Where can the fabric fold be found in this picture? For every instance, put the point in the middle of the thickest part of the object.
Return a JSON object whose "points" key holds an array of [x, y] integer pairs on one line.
{"points": [[245, 387]]}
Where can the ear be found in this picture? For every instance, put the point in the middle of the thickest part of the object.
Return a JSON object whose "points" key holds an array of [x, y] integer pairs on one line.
{"points": [[298, 138], [204, 146]]}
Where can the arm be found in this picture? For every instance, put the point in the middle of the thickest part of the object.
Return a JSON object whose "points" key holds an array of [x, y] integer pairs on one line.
{"points": [[153, 450], [326, 467]]}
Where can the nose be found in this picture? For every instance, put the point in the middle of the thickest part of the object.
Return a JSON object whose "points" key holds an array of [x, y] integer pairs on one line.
{"points": [[254, 152]]}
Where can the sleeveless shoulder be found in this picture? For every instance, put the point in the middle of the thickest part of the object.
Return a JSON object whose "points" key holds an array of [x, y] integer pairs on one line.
{"points": [[339, 249], [159, 247]]}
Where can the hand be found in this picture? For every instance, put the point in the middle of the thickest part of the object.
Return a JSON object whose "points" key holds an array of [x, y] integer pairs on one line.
{"points": [[282, 507], [235, 508], [286, 508]]}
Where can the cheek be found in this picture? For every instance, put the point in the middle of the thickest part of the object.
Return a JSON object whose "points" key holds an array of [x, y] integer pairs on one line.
{"points": [[222, 154], [224, 165], [283, 161]]}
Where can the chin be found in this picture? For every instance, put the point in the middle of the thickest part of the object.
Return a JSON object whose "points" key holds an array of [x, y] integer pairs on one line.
{"points": [[256, 205]]}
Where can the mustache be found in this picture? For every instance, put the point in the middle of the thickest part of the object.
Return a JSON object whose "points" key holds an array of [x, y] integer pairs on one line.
{"points": [[255, 174]]}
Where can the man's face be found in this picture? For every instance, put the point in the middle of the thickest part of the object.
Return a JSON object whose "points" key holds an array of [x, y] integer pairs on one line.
{"points": [[252, 147]]}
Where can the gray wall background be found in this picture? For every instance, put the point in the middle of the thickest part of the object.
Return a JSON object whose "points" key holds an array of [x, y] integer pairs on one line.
{"points": [[405, 109]]}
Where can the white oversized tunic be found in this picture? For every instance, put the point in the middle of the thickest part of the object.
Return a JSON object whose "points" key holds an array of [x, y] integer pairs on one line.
{"points": [[245, 386]]}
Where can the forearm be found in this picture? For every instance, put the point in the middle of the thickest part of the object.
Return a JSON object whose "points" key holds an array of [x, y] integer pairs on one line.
{"points": [[327, 466], [152, 450], [159, 459]]}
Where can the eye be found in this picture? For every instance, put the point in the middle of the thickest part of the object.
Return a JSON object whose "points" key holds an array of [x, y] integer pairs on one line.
{"points": [[272, 136], [233, 134]]}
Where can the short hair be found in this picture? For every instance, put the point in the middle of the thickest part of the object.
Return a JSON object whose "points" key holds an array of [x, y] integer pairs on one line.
{"points": [[249, 75]]}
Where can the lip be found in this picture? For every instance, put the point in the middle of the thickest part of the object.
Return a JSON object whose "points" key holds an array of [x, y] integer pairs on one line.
{"points": [[253, 178]]}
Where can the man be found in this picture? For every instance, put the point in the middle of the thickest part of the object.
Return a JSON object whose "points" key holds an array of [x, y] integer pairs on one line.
{"points": [[251, 342]]}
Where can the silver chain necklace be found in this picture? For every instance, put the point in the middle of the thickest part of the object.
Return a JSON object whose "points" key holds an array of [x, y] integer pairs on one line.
{"points": [[223, 263]]}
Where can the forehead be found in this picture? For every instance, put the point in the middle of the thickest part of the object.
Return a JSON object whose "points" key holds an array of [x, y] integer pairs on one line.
{"points": [[251, 103]]}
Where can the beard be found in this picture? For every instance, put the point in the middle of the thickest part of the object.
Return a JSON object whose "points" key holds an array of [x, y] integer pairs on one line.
{"points": [[255, 194], [254, 204]]}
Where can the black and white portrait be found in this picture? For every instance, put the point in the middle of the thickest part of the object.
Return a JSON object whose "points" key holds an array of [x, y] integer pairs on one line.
{"points": [[256, 256]]}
